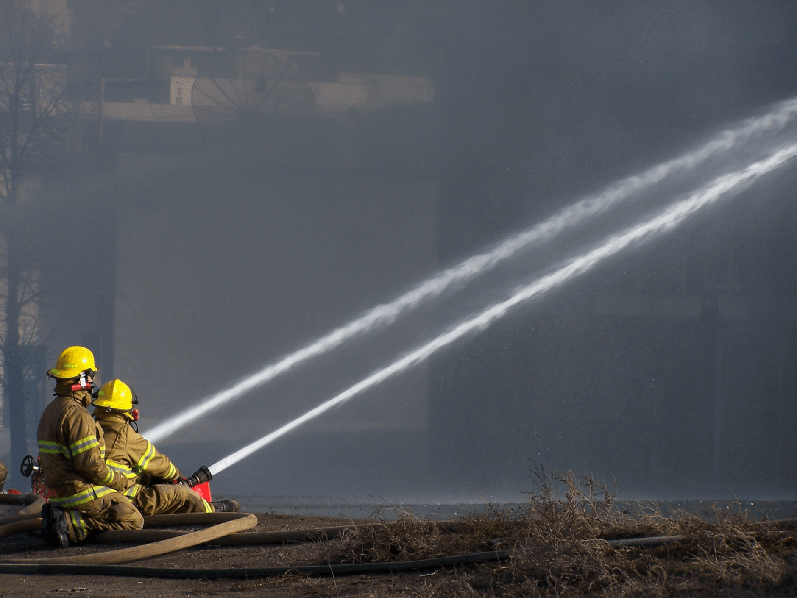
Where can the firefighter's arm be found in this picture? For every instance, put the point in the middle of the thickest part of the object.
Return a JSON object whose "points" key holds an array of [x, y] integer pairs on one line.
{"points": [[87, 455], [149, 460]]}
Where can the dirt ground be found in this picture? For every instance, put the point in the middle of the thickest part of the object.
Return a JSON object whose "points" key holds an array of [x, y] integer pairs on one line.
{"points": [[31, 545], [564, 550]]}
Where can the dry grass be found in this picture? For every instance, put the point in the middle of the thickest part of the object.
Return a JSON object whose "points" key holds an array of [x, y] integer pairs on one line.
{"points": [[561, 549]]}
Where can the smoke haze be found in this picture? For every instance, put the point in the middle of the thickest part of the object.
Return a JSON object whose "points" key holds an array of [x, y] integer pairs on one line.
{"points": [[266, 174]]}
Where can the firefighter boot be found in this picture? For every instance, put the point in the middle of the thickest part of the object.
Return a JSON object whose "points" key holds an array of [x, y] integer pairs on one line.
{"points": [[60, 527], [47, 521], [226, 506]]}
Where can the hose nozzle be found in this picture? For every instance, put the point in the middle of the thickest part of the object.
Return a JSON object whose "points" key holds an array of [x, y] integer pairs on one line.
{"points": [[202, 475]]}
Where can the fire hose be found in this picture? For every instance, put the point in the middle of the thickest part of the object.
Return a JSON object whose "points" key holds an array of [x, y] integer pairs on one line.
{"points": [[88, 566], [33, 506], [325, 533], [240, 522], [316, 570], [226, 533], [105, 562], [21, 524], [18, 498]]}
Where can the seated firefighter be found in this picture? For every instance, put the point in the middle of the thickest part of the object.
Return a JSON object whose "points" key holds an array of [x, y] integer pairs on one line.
{"points": [[150, 476], [3, 475], [85, 492]]}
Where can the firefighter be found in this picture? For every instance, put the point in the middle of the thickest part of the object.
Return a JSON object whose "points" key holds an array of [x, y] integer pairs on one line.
{"points": [[3, 475], [85, 492], [150, 476]]}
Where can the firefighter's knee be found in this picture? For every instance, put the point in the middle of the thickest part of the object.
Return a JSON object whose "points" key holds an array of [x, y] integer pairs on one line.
{"points": [[123, 511]]}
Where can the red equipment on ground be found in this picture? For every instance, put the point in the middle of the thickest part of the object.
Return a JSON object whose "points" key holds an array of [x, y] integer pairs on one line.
{"points": [[33, 469]]}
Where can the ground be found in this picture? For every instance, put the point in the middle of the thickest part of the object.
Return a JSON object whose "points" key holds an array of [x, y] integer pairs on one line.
{"points": [[566, 546], [47, 586]]}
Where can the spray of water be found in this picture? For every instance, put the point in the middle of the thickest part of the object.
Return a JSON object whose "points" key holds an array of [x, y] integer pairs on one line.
{"points": [[572, 216], [663, 222]]}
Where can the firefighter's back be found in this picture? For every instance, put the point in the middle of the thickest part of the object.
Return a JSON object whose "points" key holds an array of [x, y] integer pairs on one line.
{"points": [[65, 430]]}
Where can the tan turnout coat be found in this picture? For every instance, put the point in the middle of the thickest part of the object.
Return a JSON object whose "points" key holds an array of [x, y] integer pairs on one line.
{"points": [[143, 467], [131, 455], [72, 452]]}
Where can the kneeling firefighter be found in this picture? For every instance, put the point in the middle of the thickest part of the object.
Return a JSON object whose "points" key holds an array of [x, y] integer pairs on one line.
{"points": [[84, 492], [150, 476]]}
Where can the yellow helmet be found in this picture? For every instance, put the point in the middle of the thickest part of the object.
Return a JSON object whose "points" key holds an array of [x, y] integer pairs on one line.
{"points": [[117, 395], [72, 362]]}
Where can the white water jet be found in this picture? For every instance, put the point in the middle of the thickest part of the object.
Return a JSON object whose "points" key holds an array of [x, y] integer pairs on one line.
{"points": [[571, 216], [663, 222]]}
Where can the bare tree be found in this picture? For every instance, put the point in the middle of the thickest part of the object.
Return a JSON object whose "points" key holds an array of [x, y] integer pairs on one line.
{"points": [[38, 125]]}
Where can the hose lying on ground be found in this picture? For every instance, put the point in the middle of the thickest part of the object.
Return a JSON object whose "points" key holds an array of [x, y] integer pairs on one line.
{"points": [[234, 539], [6, 498], [32, 509], [189, 519], [249, 572], [8, 527], [239, 539], [317, 570], [323, 533], [241, 522], [23, 522], [19, 527], [105, 563]]}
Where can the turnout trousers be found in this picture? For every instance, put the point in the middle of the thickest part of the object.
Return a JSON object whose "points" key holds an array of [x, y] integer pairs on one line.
{"points": [[110, 512], [170, 499]]}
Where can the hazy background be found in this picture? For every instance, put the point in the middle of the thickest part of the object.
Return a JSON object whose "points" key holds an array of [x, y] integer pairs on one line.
{"points": [[206, 251]]}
